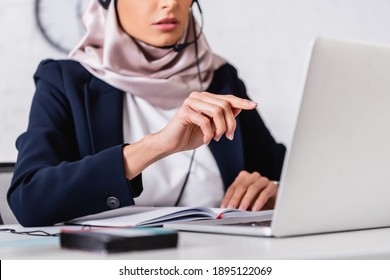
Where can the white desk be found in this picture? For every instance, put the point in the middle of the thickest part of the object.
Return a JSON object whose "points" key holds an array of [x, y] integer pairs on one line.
{"points": [[365, 244]]}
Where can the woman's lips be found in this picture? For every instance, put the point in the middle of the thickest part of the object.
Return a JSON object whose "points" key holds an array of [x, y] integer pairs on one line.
{"points": [[166, 24]]}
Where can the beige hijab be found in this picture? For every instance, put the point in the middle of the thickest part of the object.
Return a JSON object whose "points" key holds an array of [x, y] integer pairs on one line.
{"points": [[162, 77]]}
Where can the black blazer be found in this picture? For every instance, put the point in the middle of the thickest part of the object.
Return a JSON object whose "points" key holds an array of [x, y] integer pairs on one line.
{"points": [[70, 158]]}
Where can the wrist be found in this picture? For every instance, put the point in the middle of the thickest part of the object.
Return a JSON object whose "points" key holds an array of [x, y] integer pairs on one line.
{"points": [[163, 143], [157, 145], [141, 154]]}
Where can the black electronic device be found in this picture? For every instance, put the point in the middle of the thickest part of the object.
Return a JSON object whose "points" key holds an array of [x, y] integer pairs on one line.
{"points": [[115, 240]]}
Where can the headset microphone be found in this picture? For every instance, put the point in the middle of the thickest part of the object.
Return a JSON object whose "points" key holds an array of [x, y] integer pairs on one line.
{"points": [[179, 47]]}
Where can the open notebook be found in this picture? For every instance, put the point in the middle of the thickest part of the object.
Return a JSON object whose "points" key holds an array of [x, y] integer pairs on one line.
{"points": [[133, 216]]}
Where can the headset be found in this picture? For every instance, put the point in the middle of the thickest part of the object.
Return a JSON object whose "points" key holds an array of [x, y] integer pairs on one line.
{"points": [[178, 47], [106, 3]]}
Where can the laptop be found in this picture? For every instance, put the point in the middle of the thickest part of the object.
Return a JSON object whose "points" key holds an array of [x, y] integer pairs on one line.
{"points": [[336, 174]]}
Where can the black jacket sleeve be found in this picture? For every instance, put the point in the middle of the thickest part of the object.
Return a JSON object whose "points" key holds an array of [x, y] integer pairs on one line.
{"points": [[54, 180]]}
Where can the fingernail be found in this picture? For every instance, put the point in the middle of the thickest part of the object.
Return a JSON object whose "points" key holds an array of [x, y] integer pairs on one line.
{"points": [[230, 136], [253, 103]]}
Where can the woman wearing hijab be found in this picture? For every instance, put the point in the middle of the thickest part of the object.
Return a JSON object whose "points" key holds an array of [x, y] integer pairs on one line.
{"points": [[144, 113]]}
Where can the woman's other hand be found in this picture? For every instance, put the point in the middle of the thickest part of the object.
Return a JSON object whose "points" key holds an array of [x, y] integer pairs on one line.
{"points": [[250, 191]]}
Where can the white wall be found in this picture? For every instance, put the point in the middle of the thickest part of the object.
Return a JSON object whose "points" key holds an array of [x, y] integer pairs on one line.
{"points": [[266, 40], [21, 49]]}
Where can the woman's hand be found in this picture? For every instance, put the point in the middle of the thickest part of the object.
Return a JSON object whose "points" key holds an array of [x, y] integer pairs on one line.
{"points": [[202, 117], [250, 191]]}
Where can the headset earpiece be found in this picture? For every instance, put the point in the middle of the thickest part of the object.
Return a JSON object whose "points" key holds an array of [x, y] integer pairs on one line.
{"points": [[105, 3]]}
